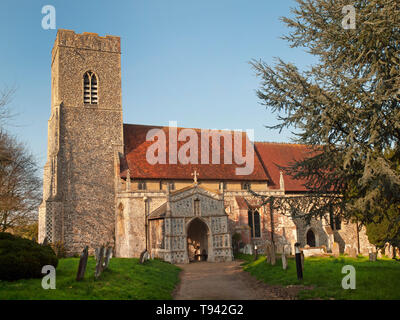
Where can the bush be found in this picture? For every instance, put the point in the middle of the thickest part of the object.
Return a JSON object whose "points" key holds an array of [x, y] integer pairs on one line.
{"points": [[22, 258]]}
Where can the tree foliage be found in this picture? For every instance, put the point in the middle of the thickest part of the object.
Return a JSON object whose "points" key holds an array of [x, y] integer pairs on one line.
{"points": [[346, 106], [385, 229], [20, 187]]}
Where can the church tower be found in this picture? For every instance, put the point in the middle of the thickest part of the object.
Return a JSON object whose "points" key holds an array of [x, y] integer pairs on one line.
{"points": [[84, 138]]}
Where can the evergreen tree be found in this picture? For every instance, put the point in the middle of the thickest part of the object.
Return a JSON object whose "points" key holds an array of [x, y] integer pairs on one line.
{"points": [[385, 229], [346, 106]]}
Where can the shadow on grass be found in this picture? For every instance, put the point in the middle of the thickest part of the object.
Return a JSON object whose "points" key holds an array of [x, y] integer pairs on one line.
{"points": [[125, 279], [374, 280]]}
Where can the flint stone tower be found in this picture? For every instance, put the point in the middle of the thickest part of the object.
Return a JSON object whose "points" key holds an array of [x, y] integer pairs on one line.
{"points": [[85, 136]]}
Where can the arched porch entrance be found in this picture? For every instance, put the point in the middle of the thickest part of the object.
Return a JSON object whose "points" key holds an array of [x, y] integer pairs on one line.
{"points": [[198, 240], [311, 238]]}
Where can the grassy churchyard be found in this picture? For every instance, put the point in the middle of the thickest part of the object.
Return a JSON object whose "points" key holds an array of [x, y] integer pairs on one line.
{"points": [[124, 279], [374, 280]]}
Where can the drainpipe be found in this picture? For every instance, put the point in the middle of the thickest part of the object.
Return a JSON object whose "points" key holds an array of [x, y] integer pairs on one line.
{"points": [[146, 206]]}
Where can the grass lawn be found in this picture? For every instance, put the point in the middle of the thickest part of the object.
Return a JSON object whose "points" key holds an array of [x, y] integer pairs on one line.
{"points": [[124, 279], [374, 280]]}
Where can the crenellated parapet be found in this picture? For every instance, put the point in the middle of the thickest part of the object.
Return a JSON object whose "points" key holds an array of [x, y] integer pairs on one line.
{"points": [[88, 40]]}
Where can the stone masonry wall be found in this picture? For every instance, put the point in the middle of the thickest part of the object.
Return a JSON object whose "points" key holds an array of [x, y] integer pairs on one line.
{"points": [[81, 147]]}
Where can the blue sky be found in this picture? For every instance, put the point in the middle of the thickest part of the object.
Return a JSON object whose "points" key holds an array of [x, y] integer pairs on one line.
{"points": [[182, 60]]}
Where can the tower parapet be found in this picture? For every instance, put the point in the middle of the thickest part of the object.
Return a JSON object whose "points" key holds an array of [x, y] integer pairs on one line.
{"points": [[88, 40]]}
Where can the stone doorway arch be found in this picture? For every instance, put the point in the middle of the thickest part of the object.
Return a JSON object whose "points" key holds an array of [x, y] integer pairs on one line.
{"points": [[198, 240], [310, 238]]}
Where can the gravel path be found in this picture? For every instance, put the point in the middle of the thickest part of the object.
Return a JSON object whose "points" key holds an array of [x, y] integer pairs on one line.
{"points": [[226, 281]]}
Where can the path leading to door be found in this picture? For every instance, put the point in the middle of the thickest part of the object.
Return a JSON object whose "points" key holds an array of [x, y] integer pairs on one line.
{"points": [[225, 281]]}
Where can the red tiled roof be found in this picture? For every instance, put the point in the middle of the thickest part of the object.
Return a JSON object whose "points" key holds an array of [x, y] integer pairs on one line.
{"points": [[273, 155], [136, 146]]}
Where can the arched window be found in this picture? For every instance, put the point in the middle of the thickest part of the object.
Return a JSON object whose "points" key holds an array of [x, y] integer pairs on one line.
{"points": [[254, 223], [90, 88]]}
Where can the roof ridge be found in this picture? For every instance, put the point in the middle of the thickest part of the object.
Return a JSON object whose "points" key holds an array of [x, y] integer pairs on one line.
{"points": [[284, 143], [162, 127]]}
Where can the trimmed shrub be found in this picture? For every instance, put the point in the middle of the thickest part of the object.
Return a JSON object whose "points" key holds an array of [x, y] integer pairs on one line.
{"points": [[22, 258]]}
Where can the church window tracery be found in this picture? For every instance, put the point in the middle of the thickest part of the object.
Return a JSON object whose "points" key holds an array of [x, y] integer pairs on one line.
{"points": [[90, 89]]}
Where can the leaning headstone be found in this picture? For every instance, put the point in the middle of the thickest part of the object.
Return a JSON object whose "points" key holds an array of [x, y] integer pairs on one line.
{"points": [[99, 263], [108, 257], [273, 255], [82, 264], [372, 256], [284, 260], [45, 242], [335, 249], [144, 256]]}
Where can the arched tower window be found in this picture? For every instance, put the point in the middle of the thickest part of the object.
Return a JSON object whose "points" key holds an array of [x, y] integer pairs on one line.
{"points": [[90, 88]]}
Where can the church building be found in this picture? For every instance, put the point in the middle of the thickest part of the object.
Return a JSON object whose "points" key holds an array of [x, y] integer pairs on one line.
{"points": [[100, 187]]}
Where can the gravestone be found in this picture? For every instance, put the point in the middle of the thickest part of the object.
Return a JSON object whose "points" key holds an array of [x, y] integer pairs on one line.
{"points": [[108, 257], [287, 250], [347, 250], [335, 249], [45, 242], [144, 256], [353, 252], [82, 264], [284, 260], [248, 249], [313, 251], [99, 262], [268, 253], [372, 256]]}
